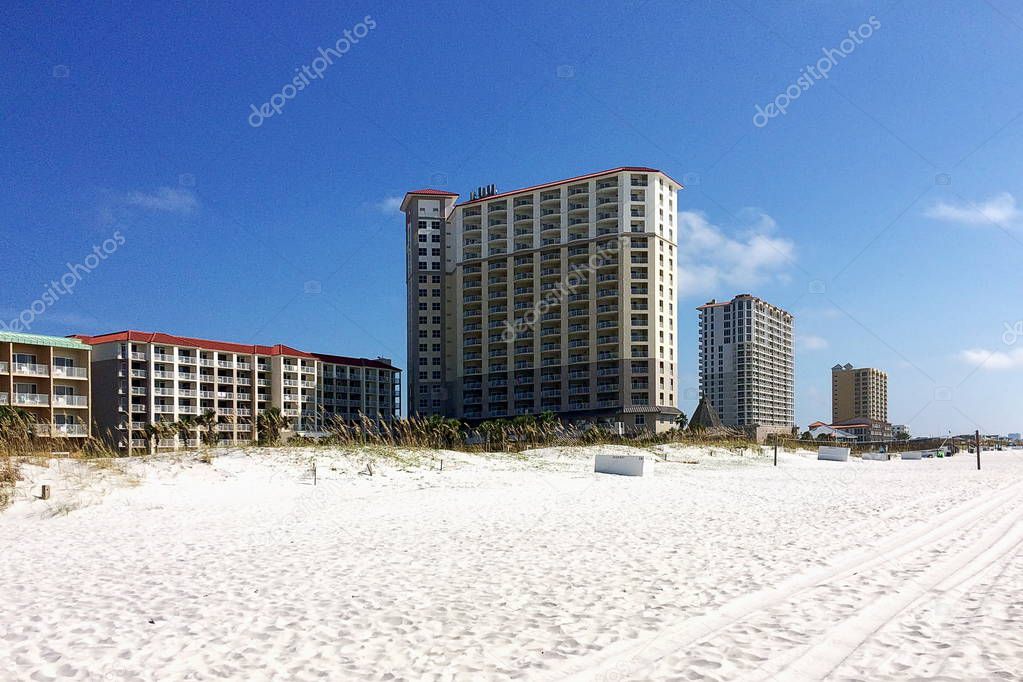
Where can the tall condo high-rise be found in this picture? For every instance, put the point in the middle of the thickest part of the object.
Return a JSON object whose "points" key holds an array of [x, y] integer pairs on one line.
{"points": [[858, 393], [746, 362], [554, 298]]}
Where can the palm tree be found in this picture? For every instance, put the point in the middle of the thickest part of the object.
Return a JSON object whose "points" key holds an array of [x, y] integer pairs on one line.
{"points": [[271, 422], [207, 425], [157, 431], [681, 421]]}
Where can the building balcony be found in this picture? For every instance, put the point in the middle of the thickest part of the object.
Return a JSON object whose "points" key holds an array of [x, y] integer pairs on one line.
{"points": [[61, 430], [31, 369], [63, 372], [30, 399], [70, 401]]}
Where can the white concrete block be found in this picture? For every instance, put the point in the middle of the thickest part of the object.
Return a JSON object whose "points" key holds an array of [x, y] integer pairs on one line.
{"points": [[876, 456], [916, 454], [831, 453], [623, 465]]}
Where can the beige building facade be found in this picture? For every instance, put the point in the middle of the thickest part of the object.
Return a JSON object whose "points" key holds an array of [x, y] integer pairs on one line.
{"points": [[558, 297], [858, 393], [49, 378]]}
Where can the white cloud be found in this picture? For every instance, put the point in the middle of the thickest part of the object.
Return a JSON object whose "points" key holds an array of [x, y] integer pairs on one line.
{"points": [[811, 342], [388, 205], [993, 359], [164, 199], [713, 262], [1000, 209]]}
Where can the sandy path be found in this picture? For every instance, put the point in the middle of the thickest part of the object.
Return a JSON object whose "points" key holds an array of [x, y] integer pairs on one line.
{"points": [[795, 632]]}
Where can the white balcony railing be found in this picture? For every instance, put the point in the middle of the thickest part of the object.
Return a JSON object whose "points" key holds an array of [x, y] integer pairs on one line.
{"points": [[31, 399], [3, 399], [65, 372], [66, 430], [31, 369], [70, 401]]}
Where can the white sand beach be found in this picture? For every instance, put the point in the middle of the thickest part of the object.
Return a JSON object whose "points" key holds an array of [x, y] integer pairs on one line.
{"points": [[514, 567]]}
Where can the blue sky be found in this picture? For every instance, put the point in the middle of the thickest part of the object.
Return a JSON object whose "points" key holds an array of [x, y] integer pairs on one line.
{"points": [[880, 208]]}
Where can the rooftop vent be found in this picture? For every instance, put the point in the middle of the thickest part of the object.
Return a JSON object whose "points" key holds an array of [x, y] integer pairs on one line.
{"points": [[483, 192]]}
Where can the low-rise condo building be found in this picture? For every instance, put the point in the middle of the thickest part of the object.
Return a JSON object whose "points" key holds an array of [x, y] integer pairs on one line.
{"points": [[49, 378], [558, 297], [350, 388], [146, 378]]}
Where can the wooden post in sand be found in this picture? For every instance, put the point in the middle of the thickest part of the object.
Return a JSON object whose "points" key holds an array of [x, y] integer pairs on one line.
{"points": [[776, 453], [44, 492], [976, 438]]}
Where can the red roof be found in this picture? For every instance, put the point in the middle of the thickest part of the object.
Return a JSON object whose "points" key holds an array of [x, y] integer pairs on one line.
{"points": [[435, 192], [633, 169], [355, 362], [170, 340]]}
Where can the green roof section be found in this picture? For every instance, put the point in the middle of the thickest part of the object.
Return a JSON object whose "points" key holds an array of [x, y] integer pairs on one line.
{"points": [[40, 340]]}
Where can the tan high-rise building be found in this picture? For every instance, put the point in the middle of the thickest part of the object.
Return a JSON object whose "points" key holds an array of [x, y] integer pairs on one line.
{"points": [[49, 378], [554, 298], [858, 393]]}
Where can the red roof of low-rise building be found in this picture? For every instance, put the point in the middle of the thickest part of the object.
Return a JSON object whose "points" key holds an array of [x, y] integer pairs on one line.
{"points": [[434, 192], [206, 344], [229, 347]]}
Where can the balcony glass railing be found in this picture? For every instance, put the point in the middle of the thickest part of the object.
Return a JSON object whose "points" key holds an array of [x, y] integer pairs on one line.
{"points": [[31, 369], [63, 371], [30, 399], [70, 401]]}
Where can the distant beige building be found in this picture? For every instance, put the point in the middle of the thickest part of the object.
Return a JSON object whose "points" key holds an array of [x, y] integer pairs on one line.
{"points": [[858, 393], [554, 298], [49, 378]]}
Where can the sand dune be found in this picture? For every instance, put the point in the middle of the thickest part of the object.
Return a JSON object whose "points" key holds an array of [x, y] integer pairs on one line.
{"points": [[508, 567]]}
